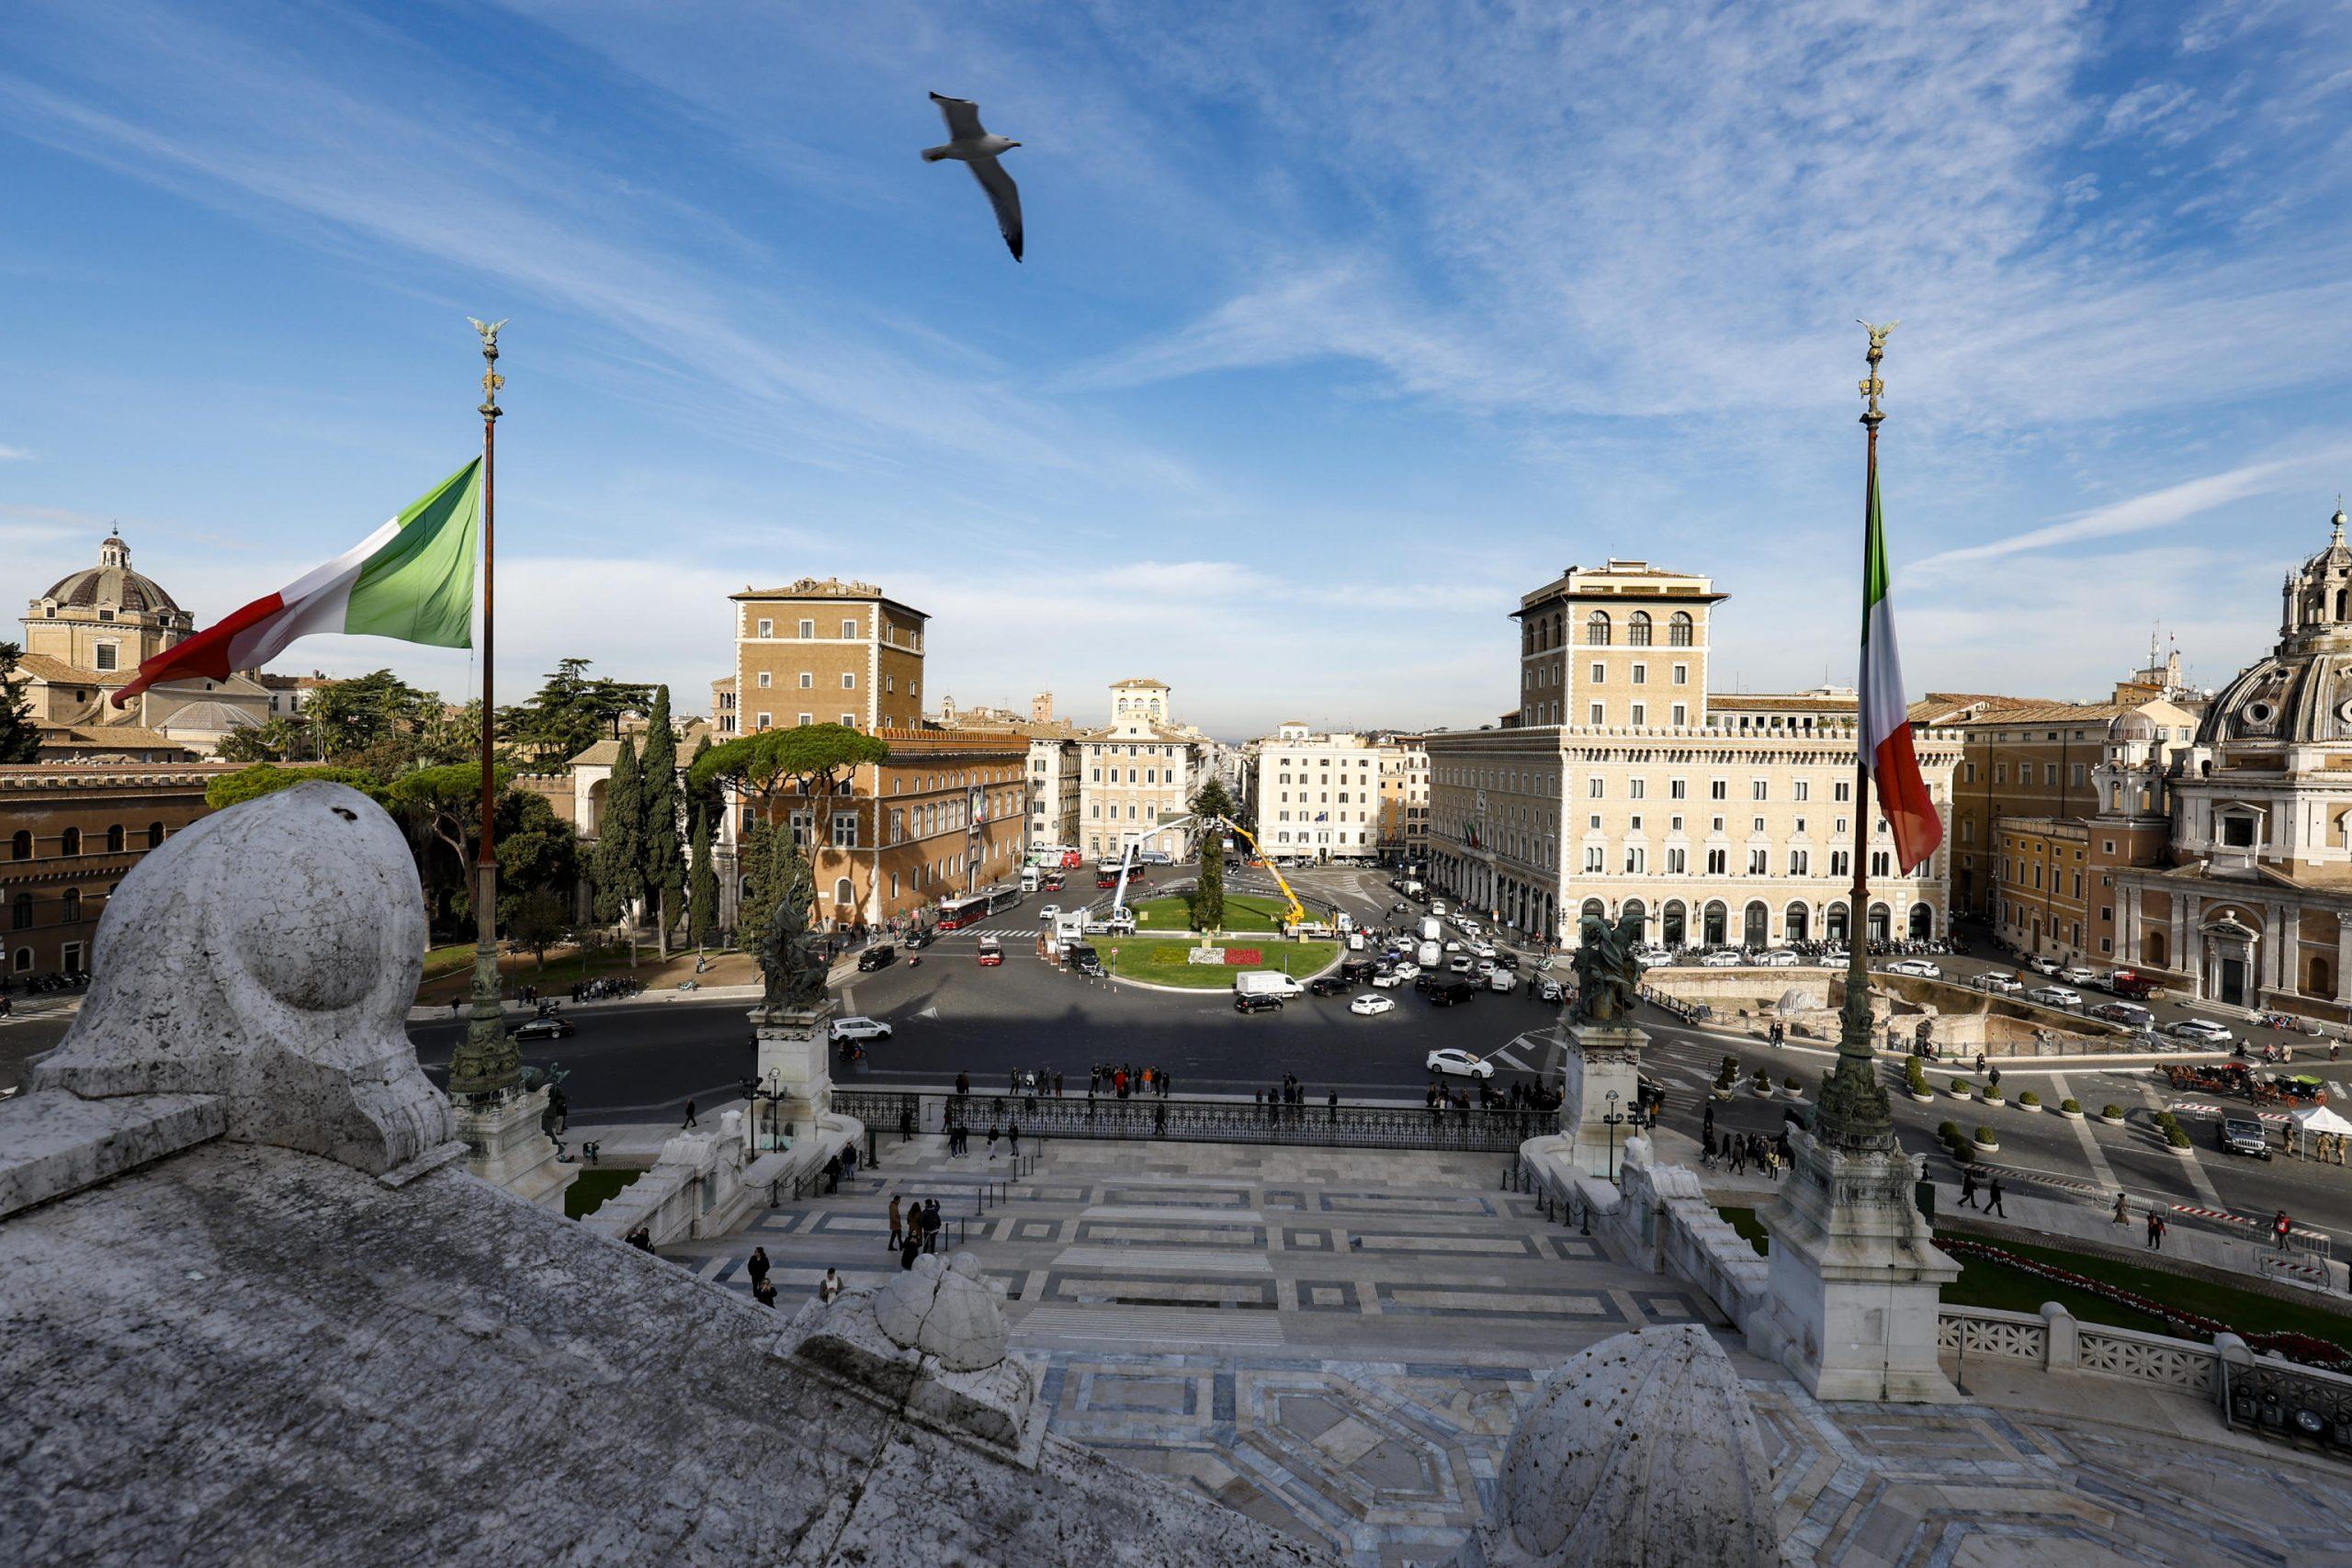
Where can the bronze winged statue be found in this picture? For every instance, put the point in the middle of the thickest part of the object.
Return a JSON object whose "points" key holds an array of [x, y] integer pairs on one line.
{"points": [[792, 962], [1608, 976]]}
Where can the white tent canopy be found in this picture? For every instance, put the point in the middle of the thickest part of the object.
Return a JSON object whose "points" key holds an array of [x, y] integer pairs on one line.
{"points": [[2319, 1119]]}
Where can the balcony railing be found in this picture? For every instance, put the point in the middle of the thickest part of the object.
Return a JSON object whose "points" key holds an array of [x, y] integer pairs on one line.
{"points": [[1181, 1119]]}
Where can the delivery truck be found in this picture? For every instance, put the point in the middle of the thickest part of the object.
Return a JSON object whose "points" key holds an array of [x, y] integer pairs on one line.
{"points": [[1266, 983]]}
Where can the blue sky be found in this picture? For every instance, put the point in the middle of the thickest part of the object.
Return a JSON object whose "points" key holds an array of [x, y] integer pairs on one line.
{"points": [[1340, 326]]}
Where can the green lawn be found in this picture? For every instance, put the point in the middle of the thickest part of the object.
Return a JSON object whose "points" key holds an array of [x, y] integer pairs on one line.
{"points": [[447, 960], [1162, 962], [1984, 1284], [588, 1192], [1241, 913]]}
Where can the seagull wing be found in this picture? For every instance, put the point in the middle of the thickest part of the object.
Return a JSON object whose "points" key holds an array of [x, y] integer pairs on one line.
{"points": [[1004, 196], [962, 117]]}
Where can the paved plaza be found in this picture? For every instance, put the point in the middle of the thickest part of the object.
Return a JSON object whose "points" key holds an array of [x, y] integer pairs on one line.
{"points": [[1336, 1343]]}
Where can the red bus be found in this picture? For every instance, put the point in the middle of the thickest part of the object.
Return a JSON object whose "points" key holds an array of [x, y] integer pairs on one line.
{"points": [[963, 912]]}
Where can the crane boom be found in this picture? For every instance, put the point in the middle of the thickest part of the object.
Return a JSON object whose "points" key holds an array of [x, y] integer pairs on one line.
{"points": [[1296, 913]]}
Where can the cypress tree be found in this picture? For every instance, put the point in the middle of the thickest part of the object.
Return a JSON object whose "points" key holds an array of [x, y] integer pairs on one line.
{"points": [[19, 741], [702, 901], [620, 858], [662, 863]]}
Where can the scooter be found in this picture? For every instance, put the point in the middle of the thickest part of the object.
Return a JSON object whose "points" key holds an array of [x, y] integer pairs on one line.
{"points": [[914, 960]]}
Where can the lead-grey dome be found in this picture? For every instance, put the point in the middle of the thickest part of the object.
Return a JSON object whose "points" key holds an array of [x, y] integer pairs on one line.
{"points": [[112, 585]]}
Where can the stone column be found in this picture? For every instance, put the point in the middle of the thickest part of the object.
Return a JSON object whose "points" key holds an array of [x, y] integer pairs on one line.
{"points": [[795, 1057], [1598, 1058]]}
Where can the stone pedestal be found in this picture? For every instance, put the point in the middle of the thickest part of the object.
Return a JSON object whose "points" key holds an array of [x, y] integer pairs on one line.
{"points": [[1598, 1058], [505, 1147], [796, 1059], [1855, 1278]]}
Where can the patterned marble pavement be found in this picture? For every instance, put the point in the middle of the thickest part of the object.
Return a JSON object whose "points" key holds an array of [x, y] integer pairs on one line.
{"points": [[1337, 1342]]}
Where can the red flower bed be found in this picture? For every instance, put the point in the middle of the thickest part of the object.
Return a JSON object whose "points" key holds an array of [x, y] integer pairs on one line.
{"points": [[2293, 1346], [1246, 957]]}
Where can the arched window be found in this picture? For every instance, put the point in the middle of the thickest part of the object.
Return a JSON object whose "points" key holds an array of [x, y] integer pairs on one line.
{"points": [[1796, 923], [1756, 924], [1678, 630], [71, 844], [1713, 922], [20, 845], [2320, 978], [155, 835], [1923, 922], [1595, 628], [1833, 922], [844, 893], [1671, 927], [2154, 952], [1637, 629], [114, 839], [21, 913], [1879, 920], [72, 902]]}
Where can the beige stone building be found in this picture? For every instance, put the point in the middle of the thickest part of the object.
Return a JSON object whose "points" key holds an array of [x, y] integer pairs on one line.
{"points": [[825, 651], [1055, 765], [1315, 797], [1618, 786], [2253, 909], [1140, 769], [84, 640], [723, 715], [1404, 799]]}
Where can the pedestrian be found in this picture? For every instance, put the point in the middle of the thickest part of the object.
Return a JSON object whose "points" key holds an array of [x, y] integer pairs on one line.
{"points": [[895, 1227], [758, 1267], [1334, 1103], [1707, 1146], [914, 1243], [690, 1113], [964, 1084], [1968, 1190], [930, 1225], [642, 1238], [2155, 1228], [1058, 1085], [1738, 1155], [906, 1122], [849, 1160], [832, 1173], [2281, 1229], [1995, 1206], [1012, 1138], [1160, 1119], [1994, 1077], [991, 1143], [828, 1287], [1163, 1083], [764, 1291], [1095, 1079], [2123, 1210]]}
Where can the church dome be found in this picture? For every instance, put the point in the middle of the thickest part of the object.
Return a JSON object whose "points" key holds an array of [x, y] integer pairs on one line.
{"points": [[1642, 1449], [112, 585], [2134, 725], [2301, 693]]}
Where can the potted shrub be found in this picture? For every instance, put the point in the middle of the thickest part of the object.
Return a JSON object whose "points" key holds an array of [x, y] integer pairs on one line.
{"points": [[2111, 1115], [2029, 1100], [1763, 1083], [1915, 1080], [1727, 1078], [1794, 1089], [1960, 1089], [1956, 1142], [1985, 1140], [1991, 1094], [2072, 1110]]}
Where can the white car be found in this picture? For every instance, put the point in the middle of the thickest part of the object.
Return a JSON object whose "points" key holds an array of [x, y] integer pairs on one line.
{"points": [[2204, 1030], [1458, 965], [1462, 1062], [1917, 967], [1453, 947], [1370, 1003], [1780, 958], [1836, 958], [2054, 996], [2006, 985], [1407, 971], [1651, 957], [1725, 960], [2076, 974], [860, 1029], [1482, 950], [1049, 911], [1389, 979], [2041, 964]]}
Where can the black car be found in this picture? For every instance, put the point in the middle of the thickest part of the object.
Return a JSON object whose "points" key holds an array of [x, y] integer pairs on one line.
{"points": [[1506, 959], [1256, 1001], [922, 937], [875, 958], [1328, 985], [1086, 961], [1428, 981], [548, 1028], [1357, 969], [1451, 989]]}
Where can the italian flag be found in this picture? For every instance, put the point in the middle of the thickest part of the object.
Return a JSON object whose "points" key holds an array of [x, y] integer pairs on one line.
{"points": [[1886, 725], [412, 579]]}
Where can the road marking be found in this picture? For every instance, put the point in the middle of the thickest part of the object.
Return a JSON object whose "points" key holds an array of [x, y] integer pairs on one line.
{"points": [[2091, 1151], [849, 997], [2191, 1166]]}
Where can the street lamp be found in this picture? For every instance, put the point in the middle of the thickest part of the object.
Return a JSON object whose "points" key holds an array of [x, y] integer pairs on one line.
{"points": [[1612, 1118]]}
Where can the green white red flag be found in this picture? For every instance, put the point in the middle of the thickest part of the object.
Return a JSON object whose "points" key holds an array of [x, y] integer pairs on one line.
{"points": [[412, 579], [1886, 724]]}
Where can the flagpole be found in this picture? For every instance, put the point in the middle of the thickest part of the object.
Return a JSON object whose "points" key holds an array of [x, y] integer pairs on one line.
{"points": [[488, 1064], [1854, 1111]]}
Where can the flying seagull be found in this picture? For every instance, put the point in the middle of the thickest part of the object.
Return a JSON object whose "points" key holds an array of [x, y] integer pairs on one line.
{"points": [[978, 148]]}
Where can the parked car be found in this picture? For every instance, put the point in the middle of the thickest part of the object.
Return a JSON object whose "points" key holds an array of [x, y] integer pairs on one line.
{"points": [[2204, 1030], [991, 952], [2130, 1014], [1328, 985], [1782, 958], [2004, 984], [549, 1027], [2242, 1135], [860, 1028], [1651, 957], [2078, 974], [1086, 961], [1459, 1062], [1918, 968], [1372, 1003], [878, 957], [2139, 988], [1723, 958], [2056, 996], [1256, 1001], [2041, 963]]}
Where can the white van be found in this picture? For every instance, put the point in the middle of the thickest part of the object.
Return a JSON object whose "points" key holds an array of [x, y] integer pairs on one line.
{"points": [[1430, 956], [1267, 983], [1437, 908], [1028, 879], [1430, 929]]}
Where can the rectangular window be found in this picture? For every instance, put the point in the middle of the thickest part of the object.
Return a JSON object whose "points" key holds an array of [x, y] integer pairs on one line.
{"points": [[2000, 773], [807, 680], [764, 679], [1757, 790], [1595, 788], [1755, 824], [849, 628], [107, 656], [849, 680], [1718, 789], [1681, 715], [1804, 789], [1682, 674], [1641, 714], [1844, 791], [1641, 674], [1599, 675], [1593, 822], [1595, 715], [1718, 863], [1637, 788], [765, 721], [808, 629], [767, 628], [849, 721], [1677, 789], [844, 829], [808, 718]]}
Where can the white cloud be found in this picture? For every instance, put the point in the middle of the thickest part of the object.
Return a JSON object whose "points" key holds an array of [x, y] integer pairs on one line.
{"points": [[16, 454]]}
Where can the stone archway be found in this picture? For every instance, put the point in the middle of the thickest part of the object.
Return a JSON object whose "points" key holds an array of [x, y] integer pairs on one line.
{"points": [[2229, 973], [1673, 928], [1756, 925], [2155, 949], [1715, 923], [1796, 923]]}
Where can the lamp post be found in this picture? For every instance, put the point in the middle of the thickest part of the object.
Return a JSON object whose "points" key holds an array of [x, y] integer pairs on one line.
{"points": [[1612, 1118]]}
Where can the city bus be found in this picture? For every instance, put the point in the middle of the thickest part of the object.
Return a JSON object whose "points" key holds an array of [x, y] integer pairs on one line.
{"points": [[1055, 857], [962, 912], [1003, 898]]}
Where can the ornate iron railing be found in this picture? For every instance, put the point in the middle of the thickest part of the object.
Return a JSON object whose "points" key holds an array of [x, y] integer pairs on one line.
{"points": [[1178, 1119]]}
